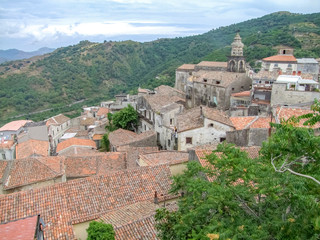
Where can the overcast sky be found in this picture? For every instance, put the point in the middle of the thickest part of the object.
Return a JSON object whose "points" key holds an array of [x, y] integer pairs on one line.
{"points": [[31, 24]]}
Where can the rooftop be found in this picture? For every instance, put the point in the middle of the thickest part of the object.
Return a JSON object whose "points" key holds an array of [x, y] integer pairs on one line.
{"points": [[187, 67], [307, 60], [32, 147], [86, 199], [14, 125], [242, 94], [212, 64], [75, 142], [281, 58], [103, 111], [241, 123], [158, 101], [57, 120], [20, 229], [124, 137], [165, 157]]}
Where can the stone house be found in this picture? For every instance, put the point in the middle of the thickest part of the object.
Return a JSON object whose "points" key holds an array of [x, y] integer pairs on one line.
{"points": [[57, 126], [212, 83], [201, 125], [249, 131], [121, 138]]}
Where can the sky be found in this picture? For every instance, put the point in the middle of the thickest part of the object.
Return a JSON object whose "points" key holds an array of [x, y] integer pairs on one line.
{"points": [[31, 24]]}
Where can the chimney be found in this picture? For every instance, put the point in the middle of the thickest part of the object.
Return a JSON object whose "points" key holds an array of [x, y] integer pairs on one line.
{"points": [[294, 73], [155, 197], [299, 73], [201, 112]]}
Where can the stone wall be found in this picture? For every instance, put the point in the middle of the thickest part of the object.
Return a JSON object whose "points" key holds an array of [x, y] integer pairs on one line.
{"points": [[282, 96], [248, 137]]}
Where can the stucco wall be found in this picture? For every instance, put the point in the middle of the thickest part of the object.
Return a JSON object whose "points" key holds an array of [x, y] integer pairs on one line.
{"points": [[181, 79], [248, 137], [204, 135], [281, 96], [178, 169], [80, 230]]}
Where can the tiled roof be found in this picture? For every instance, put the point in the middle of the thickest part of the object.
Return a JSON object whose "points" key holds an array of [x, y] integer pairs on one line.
{"points": [[165, 157], [218, 78], [103, 111], [281, 58], [57, 120], [84, 166], [167, 90], [3, 165], [123, 137], [97, 136], [191, 118], [251, 122], [20, 229], [158, 101], [186, 67], [32, 147], [14, 125], [216, 115], [75, 142], [86, 199], [6, 144], [212, 64], [287, 112], [79, 132], [133, 153], [242, 94], [86, 121], [27, 171]]}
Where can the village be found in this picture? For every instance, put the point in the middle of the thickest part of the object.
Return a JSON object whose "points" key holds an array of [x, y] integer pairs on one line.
{"points": [[55, 180]]}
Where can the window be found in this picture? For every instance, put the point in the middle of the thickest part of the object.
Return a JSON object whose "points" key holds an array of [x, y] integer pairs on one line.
{"points": [[205, 80], [188, 140], [222, 139], [233, 89], [171, 121], [210, 125], [3, 156], [217, 82], [169, 142]]}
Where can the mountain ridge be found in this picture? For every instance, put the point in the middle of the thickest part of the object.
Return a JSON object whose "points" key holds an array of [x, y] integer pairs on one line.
{"points": [[15, 54]]}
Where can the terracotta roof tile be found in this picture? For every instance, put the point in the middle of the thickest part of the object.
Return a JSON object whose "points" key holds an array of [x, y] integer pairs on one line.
{"points": [[103, 112], [93, 165], [57, 120], [167, 90], [32, 147], [86, 121], [251, 122], [212, 64], [242, 94], [19, 229], [217, 115], [187, 67], [158, 101], [287, 112], [165, 157], [3, 166], [124, 137], [97, 136], [281, 58], [86, 199], [6, 144], [75, 142], [14, 125], [28, 171]]}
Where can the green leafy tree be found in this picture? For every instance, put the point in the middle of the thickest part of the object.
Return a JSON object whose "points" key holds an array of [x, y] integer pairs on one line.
{"points": [[244, 199], [126, 118], [105, 143], [110, 126], [100, 231]]}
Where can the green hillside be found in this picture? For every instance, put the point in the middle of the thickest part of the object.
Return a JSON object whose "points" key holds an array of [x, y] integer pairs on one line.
{"points": [[97, 71]]}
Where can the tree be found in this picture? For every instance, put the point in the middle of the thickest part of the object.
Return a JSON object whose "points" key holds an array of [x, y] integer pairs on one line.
{"points": [[100, 231], [105, 143], [110, 127], [126, 118], [244, 199]]}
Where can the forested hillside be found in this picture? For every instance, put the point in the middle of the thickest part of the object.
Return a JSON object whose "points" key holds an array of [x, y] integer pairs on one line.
{"points": [[97, 71]]}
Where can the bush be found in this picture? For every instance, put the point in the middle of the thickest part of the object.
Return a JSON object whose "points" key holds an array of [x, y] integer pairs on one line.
{"points": [[100, 231]]}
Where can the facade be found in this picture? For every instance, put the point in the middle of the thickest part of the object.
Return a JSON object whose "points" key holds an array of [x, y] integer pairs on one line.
{"points": [[288, 90], [57, 126], [201, 125], [212, 83]]}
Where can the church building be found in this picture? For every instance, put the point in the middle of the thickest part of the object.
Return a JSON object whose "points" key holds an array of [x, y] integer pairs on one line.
{"points": [[212, 83]]}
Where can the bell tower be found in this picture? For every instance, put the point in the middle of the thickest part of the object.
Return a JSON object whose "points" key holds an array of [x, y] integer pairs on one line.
{"points": [[236, 61]]}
